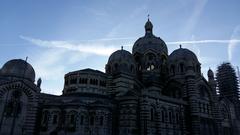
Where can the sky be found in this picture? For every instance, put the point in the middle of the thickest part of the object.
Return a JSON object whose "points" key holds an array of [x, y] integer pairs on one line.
{"points": [[60, 36]]}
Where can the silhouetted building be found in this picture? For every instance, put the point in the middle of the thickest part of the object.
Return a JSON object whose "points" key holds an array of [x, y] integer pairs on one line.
{"points": [[227, 82], [146, 92]]}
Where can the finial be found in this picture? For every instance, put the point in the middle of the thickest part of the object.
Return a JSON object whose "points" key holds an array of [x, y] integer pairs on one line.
{"points": [[121, 47], [148, 17], [26, 58], [180, 46]]}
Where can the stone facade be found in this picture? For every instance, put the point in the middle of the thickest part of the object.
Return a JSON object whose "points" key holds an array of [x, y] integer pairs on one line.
{"points": [[146, 92]]}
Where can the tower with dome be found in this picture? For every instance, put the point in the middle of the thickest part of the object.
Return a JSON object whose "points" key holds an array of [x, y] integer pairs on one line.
{"points": [[143, 92]]}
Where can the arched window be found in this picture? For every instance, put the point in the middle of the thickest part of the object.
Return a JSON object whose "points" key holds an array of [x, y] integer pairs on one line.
{"points": [[150, 67], [80, 81], [208, 111], [177, 118], [91, 81], [139, 67], [116, 66], [132, 68], [96, 82], [82, 120], [44, 121], [172, 69], [72, 119], [85, 80], [101, 120], [92, 120], [45, 117], [181, 68], [170, 116], [55, 119], [152, 114], [200, 106], [163, 115], [151, 56], [73, 81], [163, 58], [204, 107]]}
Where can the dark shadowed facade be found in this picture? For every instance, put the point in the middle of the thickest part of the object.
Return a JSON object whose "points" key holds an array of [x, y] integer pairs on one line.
{"points": [[146, 92]]}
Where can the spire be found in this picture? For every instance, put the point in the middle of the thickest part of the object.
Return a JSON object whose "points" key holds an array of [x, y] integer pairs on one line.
{"points": [[121, 47], [210, 74]]}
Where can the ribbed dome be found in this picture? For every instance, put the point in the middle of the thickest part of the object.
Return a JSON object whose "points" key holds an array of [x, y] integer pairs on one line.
{"points": [[121, 55], [182, 54], [18, 68], [121, 61], [149, 42]]}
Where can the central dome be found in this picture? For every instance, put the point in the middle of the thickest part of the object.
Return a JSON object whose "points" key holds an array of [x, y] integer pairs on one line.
{"points": [[149, 42]]}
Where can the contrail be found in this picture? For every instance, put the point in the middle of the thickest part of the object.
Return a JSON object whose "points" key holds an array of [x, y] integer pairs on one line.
{"points": [[204, 42], [199, 42], [100, 48]]}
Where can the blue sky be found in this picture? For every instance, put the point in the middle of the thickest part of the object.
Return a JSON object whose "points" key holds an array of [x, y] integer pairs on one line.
{"points": [[60, 36]]}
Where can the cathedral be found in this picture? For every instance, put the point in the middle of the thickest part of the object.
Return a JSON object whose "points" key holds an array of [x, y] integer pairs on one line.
{"points": [[143, 92]]}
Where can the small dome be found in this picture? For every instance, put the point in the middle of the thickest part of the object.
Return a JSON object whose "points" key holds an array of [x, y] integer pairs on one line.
{"points": [[184, 55], [182, 60], [210, 73], [121, 55], [18, 68], [120, 60], [148, 26]]}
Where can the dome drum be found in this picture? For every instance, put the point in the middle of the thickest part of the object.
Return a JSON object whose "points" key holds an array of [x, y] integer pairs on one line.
{"points": [[77, 81]]}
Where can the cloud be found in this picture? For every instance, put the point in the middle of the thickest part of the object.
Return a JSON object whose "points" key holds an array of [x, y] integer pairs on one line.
{"points": [[47, 64], [232, 44], [97, 49]]}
